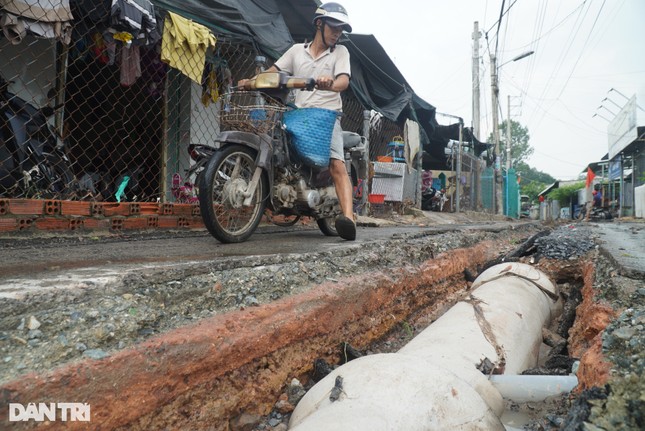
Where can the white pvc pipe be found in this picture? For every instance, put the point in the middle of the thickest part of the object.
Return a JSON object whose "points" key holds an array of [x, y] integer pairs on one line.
{"points": [[434, 383], [522, 389]]}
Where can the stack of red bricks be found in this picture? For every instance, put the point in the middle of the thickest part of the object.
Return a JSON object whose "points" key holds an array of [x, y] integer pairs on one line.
{"points": [[39, 214]]}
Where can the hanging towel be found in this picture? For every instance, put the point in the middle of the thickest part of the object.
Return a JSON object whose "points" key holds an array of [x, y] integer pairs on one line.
{"points": [[130, 65], [184, 44]]}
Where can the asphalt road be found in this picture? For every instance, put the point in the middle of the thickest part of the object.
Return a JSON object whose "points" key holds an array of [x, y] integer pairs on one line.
{"points": [[28, 264], [625, 243], [36, 264]]}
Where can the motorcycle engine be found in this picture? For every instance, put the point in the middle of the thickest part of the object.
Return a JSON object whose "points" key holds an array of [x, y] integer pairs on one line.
{"points": [[305, 194], [285, 194], [295, 192]]}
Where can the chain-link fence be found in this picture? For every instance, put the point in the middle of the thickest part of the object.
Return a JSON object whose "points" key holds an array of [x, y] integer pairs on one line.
{"points": [[124, 113]]}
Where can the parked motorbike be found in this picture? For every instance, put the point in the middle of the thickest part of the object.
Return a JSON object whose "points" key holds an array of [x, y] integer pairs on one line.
{"points": [[596, 213], [254, 167], [33, 161], [433, 199]]}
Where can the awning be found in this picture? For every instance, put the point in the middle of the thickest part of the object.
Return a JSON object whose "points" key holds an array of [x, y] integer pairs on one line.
{"points": [[547, 190]]}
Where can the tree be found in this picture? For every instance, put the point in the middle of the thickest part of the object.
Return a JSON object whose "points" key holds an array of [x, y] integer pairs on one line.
{"points": [[565, 194], [520, 148], [531, 174], [533, 181]]}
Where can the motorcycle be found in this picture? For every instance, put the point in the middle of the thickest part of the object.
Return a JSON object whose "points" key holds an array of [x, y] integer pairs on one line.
{"points": [[433, 199], [255, 167], [596, 213], [33, 160]]}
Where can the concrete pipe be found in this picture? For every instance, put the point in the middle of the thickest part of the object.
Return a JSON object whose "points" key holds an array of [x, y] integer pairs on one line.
{"points": [[393, 392], [438, 381]]}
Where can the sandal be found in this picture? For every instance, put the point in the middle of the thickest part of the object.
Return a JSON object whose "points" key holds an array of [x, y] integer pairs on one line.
{"points": [[346, 228]]}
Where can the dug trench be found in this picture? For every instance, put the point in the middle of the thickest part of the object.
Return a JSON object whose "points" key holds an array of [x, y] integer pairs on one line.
{"points": [[212, 349]]}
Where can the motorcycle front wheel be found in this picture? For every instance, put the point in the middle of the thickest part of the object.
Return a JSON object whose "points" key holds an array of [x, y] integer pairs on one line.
{"points": [[224, 182]]}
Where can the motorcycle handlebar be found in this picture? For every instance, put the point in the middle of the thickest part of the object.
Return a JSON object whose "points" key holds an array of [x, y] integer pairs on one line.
{"points": [[275, 81]]}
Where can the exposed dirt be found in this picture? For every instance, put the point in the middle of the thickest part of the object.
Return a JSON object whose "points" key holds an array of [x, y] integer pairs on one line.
{"points": [[48, 330], [45, 330]]}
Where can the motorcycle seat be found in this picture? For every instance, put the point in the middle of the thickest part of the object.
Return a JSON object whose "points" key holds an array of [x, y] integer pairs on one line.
{"points": [[351, 140]]}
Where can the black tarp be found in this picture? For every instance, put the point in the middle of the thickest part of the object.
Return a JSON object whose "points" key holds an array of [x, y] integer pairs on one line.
{"points": [[451, 132], [260, 21], [379, 85]]}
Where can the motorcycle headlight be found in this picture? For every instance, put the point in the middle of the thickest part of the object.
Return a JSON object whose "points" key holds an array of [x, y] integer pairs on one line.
{"points": [[267, 80]]}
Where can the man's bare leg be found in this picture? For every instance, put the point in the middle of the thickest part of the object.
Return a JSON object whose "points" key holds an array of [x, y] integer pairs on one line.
{"points": [[344, 192]]}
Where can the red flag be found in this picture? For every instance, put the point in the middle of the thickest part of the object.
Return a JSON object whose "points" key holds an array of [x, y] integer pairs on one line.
{"points": [[590, 177]]}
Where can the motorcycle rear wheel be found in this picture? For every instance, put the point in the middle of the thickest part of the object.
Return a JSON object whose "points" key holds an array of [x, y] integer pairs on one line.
{"points": [[226, 176], [286, 221], [327, 226]]}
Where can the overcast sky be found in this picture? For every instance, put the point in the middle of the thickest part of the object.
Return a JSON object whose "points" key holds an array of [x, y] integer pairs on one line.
{"points": [[582, 50]]}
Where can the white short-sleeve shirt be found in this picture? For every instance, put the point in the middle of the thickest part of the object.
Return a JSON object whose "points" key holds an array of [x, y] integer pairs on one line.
{"points": [[299, 62]]}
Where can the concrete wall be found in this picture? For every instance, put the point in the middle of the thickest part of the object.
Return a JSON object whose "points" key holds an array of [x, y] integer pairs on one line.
{"points": [[639, 202]]}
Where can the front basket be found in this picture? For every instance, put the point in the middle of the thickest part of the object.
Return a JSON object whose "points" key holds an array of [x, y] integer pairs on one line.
{"points": [[311, 130]]}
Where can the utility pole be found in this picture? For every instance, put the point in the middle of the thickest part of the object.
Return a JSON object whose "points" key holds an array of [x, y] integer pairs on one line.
{"points": [[476, 97], [508, 137], [508, 156], [476, 111], [458, 182], [495, 94], [495, 103]]}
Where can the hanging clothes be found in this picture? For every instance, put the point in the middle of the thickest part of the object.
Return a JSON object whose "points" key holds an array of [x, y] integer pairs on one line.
{"points": [[136, 17], [130, 65], [50, 19], [184, 44], [210, 86], [154, 70]]}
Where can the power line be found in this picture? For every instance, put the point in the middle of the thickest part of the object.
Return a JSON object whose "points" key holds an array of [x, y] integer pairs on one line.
{"points": [[583, 48], [502, 13], [563, 54], [499, 23], [552, 29]]}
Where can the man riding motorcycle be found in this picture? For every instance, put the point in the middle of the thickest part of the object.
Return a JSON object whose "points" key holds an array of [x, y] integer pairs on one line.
{"points": [[328, 64]]}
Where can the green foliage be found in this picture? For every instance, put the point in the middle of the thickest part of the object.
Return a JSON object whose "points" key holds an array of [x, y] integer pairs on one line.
{"points": [[530, 174], [407, 328], [565, 194], [532, 189], [533, 181], [520, 148]]}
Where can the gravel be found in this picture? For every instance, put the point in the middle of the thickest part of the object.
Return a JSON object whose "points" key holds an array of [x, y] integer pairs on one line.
{"points": [[48, 329]]}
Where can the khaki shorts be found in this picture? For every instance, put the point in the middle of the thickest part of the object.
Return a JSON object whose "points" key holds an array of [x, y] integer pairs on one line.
{"points": [[337, 150]]}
